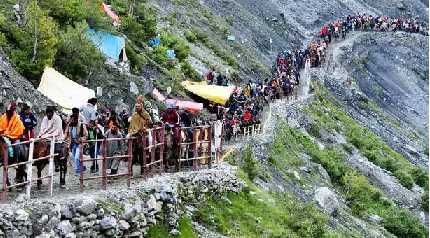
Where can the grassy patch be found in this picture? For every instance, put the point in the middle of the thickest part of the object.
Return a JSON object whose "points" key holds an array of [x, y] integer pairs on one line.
{"points": [[363, 198], [161, 230], [258, 214], [225, 55], [330, 116]]}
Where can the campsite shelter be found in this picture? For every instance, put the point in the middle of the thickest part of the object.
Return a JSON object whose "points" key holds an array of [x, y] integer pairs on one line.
{"points": [[113, 47], [63, 91], [212, 93], [190, 106], [107, 9]]}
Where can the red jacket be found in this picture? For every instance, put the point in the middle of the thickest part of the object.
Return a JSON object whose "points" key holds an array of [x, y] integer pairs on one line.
{"points": [[247, 116], [170, 116], [324, 31]]}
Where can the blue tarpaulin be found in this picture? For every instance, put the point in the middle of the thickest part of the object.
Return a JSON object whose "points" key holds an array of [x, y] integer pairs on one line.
{"points": [[155, 42], [110, 45], [171, 54]]}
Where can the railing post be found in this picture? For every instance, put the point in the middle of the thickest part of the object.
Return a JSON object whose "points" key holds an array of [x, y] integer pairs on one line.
{"points": [[153, 134], [51, 166], [104, 167], [179, 149], [130, 161], [5, 171], [161, 148], [195, 155], [144, 149], [81, 166], [210, 146], [30, 168]]}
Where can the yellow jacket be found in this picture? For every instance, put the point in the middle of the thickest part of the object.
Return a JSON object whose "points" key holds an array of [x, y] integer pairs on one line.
{"points": [[13, 128], [139, 122]]}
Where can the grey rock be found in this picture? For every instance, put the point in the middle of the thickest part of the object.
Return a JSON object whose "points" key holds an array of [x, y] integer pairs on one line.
{"points": [[71, 235], [87, 207], [174, 232], [151, 203], [21, 215], [123, 225], [110, 233], [375, 218], [108, 223], [305, 169], [64, 227], [21, 198], [92, 216], [136, 234], [44, 219], [46, 235], [326, 199], [66, 212], [130, 211]]}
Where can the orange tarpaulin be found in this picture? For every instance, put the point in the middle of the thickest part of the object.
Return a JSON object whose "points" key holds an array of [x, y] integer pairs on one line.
{"points": [[110, 13]]}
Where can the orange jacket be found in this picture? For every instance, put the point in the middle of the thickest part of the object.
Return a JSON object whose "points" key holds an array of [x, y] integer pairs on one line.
{"points": [[13, 128]]}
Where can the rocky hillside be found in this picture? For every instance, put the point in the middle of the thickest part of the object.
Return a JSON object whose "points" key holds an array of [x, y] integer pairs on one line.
{"points": [[349, 158]]}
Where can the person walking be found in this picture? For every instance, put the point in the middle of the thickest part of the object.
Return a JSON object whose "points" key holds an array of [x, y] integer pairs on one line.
{"points": [[75, 133], [52, 128], [114, 148]]}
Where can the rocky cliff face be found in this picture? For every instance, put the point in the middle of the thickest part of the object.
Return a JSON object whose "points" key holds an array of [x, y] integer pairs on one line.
{"points": [[16, 88]]}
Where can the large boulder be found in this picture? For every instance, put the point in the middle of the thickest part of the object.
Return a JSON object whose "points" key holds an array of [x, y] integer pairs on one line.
{"points": [[326, 199]]}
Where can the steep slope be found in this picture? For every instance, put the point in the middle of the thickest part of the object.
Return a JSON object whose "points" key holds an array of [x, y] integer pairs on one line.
{"points": [[14, 87], [383, 80]]}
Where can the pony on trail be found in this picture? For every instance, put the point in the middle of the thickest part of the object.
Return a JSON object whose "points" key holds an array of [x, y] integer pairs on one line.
{"points": [[21, 154]]}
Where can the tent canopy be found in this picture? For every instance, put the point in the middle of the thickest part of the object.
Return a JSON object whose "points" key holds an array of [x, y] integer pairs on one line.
{"points": [[213, 93], [185, 105], [63, 91], [110, 45], [106, 8]]}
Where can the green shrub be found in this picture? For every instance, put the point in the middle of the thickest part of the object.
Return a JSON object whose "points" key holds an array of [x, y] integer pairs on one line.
{"points": [[404, 178], [190, 36], [136, 60], [76, 56], [179, 45], [200, 35], [33, 46], [250, 164], [263, 215], [159, 55], [425, 200], [189, 72], [402, 223], [362, 197], [328, 113]]}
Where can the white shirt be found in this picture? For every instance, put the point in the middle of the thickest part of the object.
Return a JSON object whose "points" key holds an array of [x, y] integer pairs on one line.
{"points": [[53, 127], [89, 112]]}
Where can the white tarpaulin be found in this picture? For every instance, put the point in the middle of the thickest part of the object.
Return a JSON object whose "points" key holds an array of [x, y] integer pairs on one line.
{"points": [[63, 91]]}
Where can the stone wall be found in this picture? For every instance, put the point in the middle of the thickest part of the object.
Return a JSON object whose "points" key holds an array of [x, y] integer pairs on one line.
{"points": [[120, 212]]}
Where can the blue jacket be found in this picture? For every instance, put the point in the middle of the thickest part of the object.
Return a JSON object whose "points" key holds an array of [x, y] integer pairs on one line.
{"points": [[29, 120]]}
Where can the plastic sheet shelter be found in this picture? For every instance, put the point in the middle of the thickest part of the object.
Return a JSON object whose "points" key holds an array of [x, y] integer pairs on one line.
{"points": [[63, 91], [185, 105], [213, 93], [110, 45], [106, 8]]}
